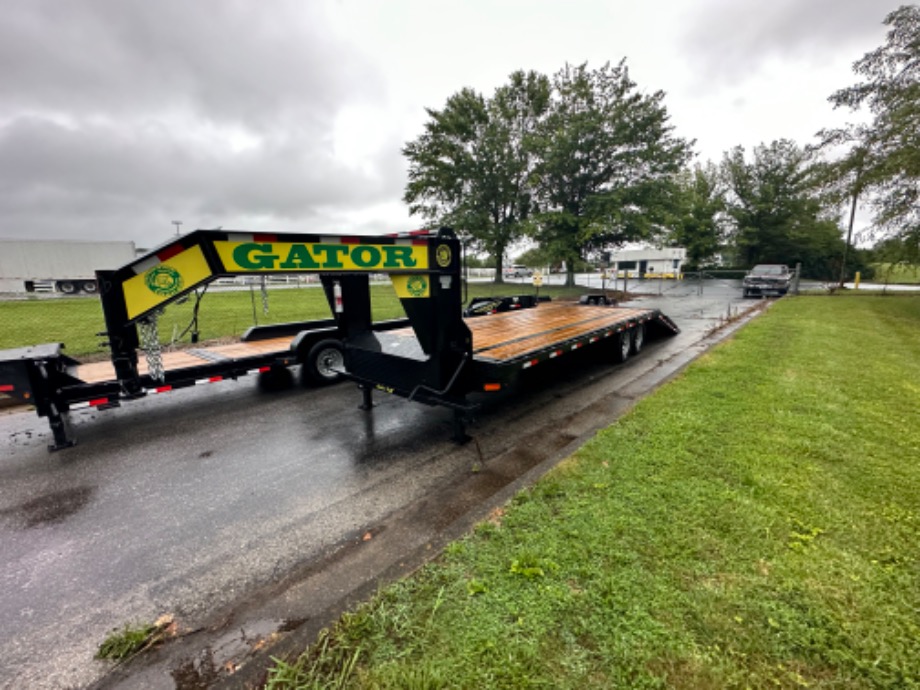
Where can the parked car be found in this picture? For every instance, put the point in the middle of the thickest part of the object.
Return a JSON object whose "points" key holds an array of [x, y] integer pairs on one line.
{"points": [[518, 271], [767, 279]]}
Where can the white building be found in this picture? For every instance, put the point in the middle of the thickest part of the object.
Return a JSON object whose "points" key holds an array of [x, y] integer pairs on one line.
{"points": [[648, 263]]}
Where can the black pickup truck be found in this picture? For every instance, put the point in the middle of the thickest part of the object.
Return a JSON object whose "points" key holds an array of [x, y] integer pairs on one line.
{"points": [[767, 279]]}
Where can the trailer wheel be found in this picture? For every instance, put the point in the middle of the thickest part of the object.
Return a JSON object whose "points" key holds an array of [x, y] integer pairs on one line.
{"points": [[638, 338], [623, 346], [89, 287], [68, 287], [324, 363]]}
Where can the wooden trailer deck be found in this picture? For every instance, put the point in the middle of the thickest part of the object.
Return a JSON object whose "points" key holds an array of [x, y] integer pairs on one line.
{"points": [[100, 372], [503, 337], [497, 338]]}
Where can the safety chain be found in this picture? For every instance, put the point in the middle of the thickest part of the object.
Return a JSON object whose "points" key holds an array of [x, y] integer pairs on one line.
{"points": [[264, 296], [150, 344]]}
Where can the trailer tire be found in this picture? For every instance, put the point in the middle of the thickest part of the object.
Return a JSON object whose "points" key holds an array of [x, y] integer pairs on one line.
{"points": [[622, 345], [638, 338], [68, 287], [89, 287], [324, 363]]}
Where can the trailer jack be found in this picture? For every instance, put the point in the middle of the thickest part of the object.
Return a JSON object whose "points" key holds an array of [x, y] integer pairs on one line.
{"points": [[60, 430], [460, 437]]}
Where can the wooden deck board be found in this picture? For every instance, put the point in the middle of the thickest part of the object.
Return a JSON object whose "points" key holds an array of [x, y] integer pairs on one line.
{"points": [[98, 372], [496, 338], [501, 337], [505, 336]]}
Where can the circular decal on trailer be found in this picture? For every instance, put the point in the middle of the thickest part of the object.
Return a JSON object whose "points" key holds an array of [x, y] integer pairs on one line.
{"points": [[442, 254], [163, 280], [417, 286]]}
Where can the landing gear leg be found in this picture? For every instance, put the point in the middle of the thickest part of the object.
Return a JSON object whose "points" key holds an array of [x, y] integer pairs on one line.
{"points": [[60, 429], [460, 436], [367, 401]]}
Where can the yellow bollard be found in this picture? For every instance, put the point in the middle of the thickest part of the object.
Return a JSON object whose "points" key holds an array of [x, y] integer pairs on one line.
{"points": [[856, 281]]}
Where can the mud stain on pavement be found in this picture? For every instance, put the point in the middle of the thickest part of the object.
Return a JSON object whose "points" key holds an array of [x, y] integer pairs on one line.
{"points": [[50, 509]]}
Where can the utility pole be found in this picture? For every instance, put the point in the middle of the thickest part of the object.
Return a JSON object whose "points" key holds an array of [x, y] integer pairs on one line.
{"points": [[177, 223], [856, 191]]}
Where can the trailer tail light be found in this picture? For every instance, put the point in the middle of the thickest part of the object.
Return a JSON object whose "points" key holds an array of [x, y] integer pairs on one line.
{"points": [[6, 388], [162, 389], [337, 297], [98, 401], [492, 387]]}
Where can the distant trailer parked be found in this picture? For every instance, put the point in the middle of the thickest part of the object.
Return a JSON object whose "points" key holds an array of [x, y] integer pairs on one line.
{"points": [[64, 266]]}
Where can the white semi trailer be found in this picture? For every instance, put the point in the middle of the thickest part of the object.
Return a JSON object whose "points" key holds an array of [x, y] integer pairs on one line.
{"points": [[66, 266]]}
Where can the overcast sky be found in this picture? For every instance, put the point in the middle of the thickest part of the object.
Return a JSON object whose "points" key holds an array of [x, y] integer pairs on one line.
{"points": [[118, 117]]}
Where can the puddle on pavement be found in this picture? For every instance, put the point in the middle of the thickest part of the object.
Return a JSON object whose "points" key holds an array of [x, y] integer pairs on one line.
{"points": [[52, 508], [225, 655]]}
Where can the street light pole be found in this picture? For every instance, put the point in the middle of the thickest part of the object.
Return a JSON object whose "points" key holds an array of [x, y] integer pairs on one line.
{"points": [[177, 223]]}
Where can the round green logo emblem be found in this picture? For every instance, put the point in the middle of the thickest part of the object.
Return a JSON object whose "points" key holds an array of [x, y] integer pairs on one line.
{"points": [[442, 254], [163, 280], [417, 286]]}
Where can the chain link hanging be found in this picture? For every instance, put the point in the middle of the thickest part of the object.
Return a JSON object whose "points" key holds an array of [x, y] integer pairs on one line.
{"points": [[150, 344], [264, 295]]}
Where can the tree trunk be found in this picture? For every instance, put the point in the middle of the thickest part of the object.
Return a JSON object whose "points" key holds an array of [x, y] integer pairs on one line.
{"points": [[499, 265], [570, 276]]}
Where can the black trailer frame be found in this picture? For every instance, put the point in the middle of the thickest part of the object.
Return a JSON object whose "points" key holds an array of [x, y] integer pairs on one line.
{"points": [[428, 357]]}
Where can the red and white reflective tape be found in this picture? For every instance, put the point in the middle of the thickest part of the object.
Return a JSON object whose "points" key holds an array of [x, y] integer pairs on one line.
{"points": [[575, 346], [593, 339], [531, 363], [251, 237], [163, 255], [555, 353], [89, 403]]}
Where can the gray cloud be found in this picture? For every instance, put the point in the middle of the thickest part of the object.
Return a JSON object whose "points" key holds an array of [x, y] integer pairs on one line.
{"points": [[253, 63], [729, 40], [129, 112]]}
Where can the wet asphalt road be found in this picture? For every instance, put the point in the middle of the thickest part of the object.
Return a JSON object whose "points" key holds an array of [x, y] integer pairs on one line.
{"points": [[256, 516]]}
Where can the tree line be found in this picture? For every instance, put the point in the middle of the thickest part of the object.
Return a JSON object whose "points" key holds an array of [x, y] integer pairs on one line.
{"points": [[584, 161]]}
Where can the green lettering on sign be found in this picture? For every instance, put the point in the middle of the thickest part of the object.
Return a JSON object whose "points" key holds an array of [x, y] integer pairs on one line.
{"points": [[244, 256], [299, 257], [397, 256]]}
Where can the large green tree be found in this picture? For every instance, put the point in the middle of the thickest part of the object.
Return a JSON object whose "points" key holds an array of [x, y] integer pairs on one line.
{"points": [[882, 155], [471, 167], [700, 225], [606, 163], [776, 212]]}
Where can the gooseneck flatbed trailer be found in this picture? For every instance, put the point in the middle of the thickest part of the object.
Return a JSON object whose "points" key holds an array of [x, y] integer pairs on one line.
{"points": [[434, 356]]}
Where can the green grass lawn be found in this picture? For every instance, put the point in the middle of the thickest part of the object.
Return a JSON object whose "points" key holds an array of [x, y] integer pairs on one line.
{"points": [[755, 523], [76, 321]]}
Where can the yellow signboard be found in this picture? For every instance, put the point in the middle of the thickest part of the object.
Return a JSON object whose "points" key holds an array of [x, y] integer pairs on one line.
{"points": [[409, 286], [245, 257], [164, 280], [537, 278]]}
